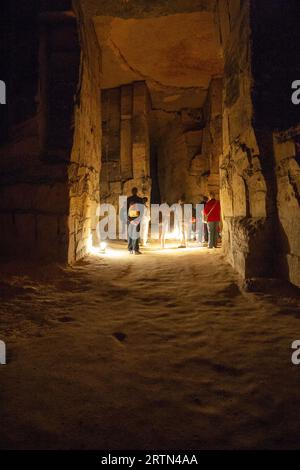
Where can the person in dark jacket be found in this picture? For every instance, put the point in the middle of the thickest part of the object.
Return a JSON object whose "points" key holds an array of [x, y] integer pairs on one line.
{"points": [[134, 211]]}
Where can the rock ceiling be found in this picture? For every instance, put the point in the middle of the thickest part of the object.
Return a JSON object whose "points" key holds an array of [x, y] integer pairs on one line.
{"points": [[175, 54], [143, 8]]}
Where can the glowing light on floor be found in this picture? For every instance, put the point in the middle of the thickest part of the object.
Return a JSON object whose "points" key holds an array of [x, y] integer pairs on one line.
{"points": [[117, 250], [175, 235], [174, 249], [104, 250], [95, 250], [103, 246], [116, 253]]}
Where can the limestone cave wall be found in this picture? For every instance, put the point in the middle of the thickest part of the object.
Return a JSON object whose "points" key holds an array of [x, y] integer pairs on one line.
{"points": [[177, 149], [125, 142], [50, 137], [34, 194], [189, 151], [242, 183], [85, 157], [276, 120], [287, 160], [259, 167]]}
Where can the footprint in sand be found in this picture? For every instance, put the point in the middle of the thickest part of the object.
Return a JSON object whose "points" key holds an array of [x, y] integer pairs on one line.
{"points": [[120, 336], [66, 319]]}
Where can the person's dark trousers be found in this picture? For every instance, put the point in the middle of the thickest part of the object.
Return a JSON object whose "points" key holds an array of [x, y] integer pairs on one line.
{"points": [[133, 242], [213, 234], [205, 233]]}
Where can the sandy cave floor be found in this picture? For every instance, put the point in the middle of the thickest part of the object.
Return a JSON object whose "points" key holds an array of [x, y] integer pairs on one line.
{"points": [[162, 351]]}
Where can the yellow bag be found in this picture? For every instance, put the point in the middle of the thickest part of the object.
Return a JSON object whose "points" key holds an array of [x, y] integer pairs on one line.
{"points": [[133, 212]]}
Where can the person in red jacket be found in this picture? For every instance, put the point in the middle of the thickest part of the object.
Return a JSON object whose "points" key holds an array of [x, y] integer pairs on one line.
{"points": [[212, 213]]}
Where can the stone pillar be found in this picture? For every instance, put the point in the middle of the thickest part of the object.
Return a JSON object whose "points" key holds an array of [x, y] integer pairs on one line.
{"points": [[215, 130], [287, 156], [141, 141], [126, 142], [110, 177], [84, 168], [246, 222], [59, 65], [259, 183], [126, 132]]}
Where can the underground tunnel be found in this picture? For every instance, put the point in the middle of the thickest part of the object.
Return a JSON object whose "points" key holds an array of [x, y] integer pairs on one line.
{"points": [[165, 98], [183, 100]]}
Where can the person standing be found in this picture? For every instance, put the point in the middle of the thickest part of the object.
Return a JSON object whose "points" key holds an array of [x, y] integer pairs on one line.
{"points": [[145, 222], [212, 213], [134, 212], [164, 228]]}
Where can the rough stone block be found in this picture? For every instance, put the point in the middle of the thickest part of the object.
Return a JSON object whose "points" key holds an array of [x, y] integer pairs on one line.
{"points": [[284, 150], [126, 149], [139, 157], [140, 98]]}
